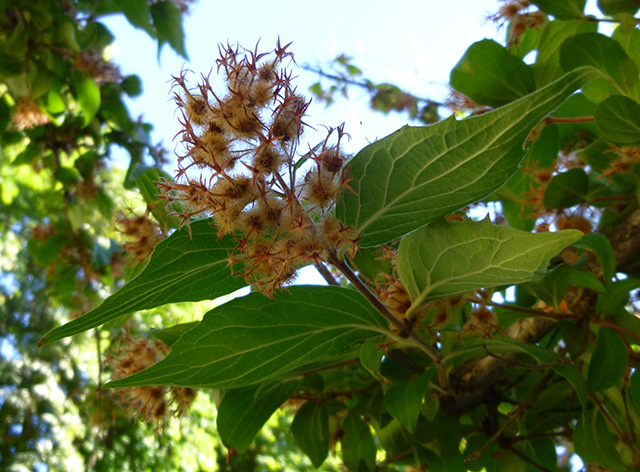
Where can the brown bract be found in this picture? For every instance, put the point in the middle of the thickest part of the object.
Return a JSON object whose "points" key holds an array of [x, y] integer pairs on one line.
{"points": [[241, 166]]}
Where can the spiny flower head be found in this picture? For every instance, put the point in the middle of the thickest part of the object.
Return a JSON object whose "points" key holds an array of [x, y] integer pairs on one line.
{"points": [[142, 235], [28, 115], [240, 166], [152, 403]]}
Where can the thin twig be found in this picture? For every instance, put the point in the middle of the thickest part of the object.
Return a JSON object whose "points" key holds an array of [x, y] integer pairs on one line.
{"points": [[403, 330], [517, 412], [572, 119], [330, 367], [365, 85], [527, 459], [549, 314], [326, 273]]}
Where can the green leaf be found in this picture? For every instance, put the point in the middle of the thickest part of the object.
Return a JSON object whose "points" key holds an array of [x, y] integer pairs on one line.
{"points": [[95, 35], [358, 446], [599, 244], [404, 399], [445, 259], [563, 10], [168, 22], [573, 376], [170, 335], [547, 66], [489, 75], [182, 268], [310, 429], [138, 14], [371, 357], [615, 7], [254, 338], [552, 287], [541, 451], [132, 85], [10, 66], [501, 344], [594, 443], [609, 361], [88, 96], [566, 189], [604, 53], [619, 119], [102, 255], [631, 323], [417, 175], [85, 163], [145, 179], [586, 279], [617, 296], [394, 439], [30, 153], [370, 263], [244, 411], [577, 105]]}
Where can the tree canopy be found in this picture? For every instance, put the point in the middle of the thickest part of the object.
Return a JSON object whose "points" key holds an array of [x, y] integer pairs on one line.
{"points": [[480, 308]]}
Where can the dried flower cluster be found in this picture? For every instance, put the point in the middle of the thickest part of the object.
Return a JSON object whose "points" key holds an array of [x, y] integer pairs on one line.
{"points": [[102, 71], [142, 233], [520, 19], [240, 166], [28, 115], [152, 403]]}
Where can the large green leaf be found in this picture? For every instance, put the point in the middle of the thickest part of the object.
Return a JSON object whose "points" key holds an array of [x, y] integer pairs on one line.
{"points": [[547, 66], [563, 10], [168, 22], [416, 175], [594, 443], [137, 13], [88, 95], [358, 446], [310, 430], [445, 259], [489, 75], [614, 7], [609, 361], [254, 338], [604, 53], [404, 400], [183, 268], [566, 189], [170, 335], [598, 244], [146, 178], [244, 411], [619, 119]]}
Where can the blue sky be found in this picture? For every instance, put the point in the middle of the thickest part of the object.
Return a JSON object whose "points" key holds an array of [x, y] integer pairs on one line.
{"points": [[413, 44]]}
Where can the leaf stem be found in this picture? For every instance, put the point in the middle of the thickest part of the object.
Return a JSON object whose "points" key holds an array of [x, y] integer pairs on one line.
{"points": [[568, 119], [548, 314], [404, 331], [326, 274]]}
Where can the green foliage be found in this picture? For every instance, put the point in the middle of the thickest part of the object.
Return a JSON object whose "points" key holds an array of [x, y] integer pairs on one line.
{"points": [[252, 339], [445, 259], [187, 266], [490, 75], [422, 174]]}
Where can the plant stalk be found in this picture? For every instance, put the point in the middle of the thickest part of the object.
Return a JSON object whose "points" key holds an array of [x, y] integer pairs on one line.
{"points": [[404, 331]]}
